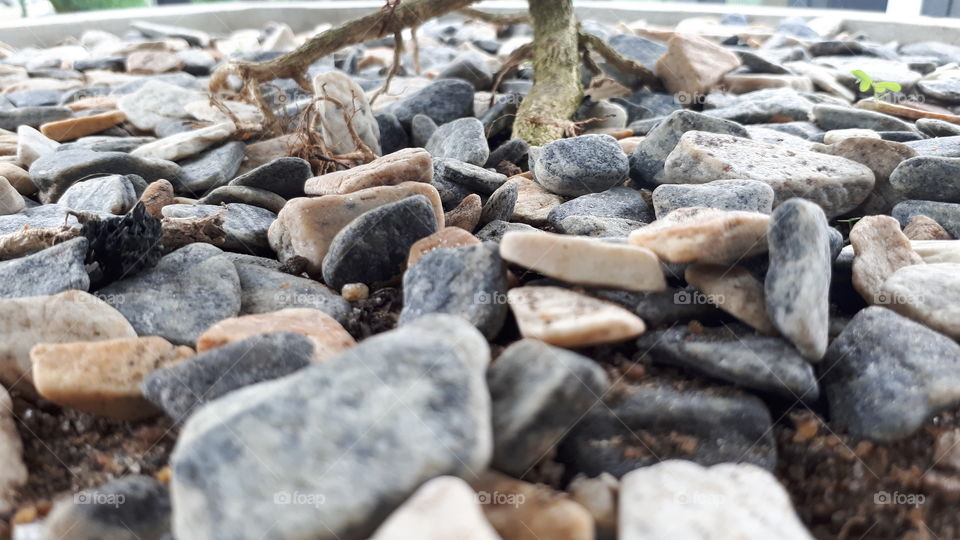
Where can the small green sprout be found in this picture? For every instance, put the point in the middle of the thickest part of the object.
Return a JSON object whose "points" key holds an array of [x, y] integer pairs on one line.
{"points": [[879, 88]]}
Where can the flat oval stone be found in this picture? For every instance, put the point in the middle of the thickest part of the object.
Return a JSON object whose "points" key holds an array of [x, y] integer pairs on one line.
{"points": [[55, 172], [210, 169], [926, 293], [407, 165], [734, 290], [928, 178], [284, 176], [471, 177], [699, 234], [46, 272], [534, 203], [112, 194], [185, 144], [579, 165], [462, 139], [881, 249], [443, 101], [466, 215], [617, 202], [245, 195], [830, 117], [264, 290], [883, 157], [156, 101], [740, 195], [566, 318], [74, 128]]}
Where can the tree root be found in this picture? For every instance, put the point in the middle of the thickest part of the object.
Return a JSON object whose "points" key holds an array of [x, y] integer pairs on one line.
{"points": [[501, 19], [394, 68], [622, 63], [178, 232]]}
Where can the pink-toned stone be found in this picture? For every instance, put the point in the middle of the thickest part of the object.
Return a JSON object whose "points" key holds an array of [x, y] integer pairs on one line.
{"points": [[448, 237], [465, 215], [407, 165], [734, 290], [924, 228], [81, 126], [699, 234], [880, 249], [566, 318], [153, 62], [693, 65]]}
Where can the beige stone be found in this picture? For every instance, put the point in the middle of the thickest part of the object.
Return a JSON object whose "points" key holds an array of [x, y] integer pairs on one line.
{"points": [[520, 510], [444, 508], [328, 337], [924, 228], [699, 234], [880, 249], [153, 62], [566, 318], [74, 128], [13, 472], [693, 65], [407, 165], [306, 226], [913, 111], [734, 290], [11, 201], [466, 215], [630, 144], [344, 101], [584, 261], [937, 251], [31, 144], [926, 293], [185, 144], [94, 102], [354, 292], [263, 152], [881, 157], [534, 203], [835, 136], [448, 237], [599, 496], [61, 318], [18, 178], [157, 195], [103, 377]]}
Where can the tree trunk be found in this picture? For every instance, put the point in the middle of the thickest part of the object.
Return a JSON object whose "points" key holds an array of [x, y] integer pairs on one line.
{"points": [[557, 90]]}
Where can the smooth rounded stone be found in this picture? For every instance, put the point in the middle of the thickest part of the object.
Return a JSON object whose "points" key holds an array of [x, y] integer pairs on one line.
{"points": [[700, 234], [13, 474], [106, 143], [890, 374], [534, 203], [598, 227], [284, 176], [103, 378], [606, 115], [765, 104], [778, 138], [443, 101], [937, 128], [470, 66], [584, 261], [46, 272], [538, 394], [264, 290], [442, 508], [500, 205], [352, 104], [882, 157], [528, 511], [18, 178], [881, 249], [926, 293], [579, 165], [31, 145], [937, 251], [112, 194], [928, 178], [133, 506], [245, 195], [937, 147], [34, 98], [61, 318], [181, 389], [734, 195], [462, 139], [373, 248], [715, 426], [186, 144], [196, 282], [943, 89], [11, 119], [392, 135], [55, 172], [73, 128], [157, 195], [804, 130], [830, 117], [11, 201], [306, 227], [407, 165], [923, 228], [734, 290], [450, 194], [465, 215], [35, 216], [837, 184], [838, 135], [448, 237], [513, 151], [328, 337], [946, 214], [155, 102], [495, 230], [467, 281], [422, 127], [797, 284], [599, 496], [210, 169], [472, 177], [312, 454], [616, 202], [246, 226], [566, 318], [692, 65], [152, 62], [680, 499]]}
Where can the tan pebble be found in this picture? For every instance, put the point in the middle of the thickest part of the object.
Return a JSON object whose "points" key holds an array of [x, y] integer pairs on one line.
{"points": [[465, 215], [629, 144], [355, 292], [448, 237], [153, 62], [11, 201], [443, 508], [263, 152], [734, 290], [693, 65], [924, 228], [407, 165], [158, 194], [74, 128], [93, 102], [880, 249], [327, 335], [565, 318], [103, 377], [18, 178], [534, 203], [698, 234]]}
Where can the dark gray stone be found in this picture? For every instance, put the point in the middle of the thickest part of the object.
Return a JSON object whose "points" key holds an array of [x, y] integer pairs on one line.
{"points": [[11, 119], [197, 61], [805, 130], [245, 195], [745, 195], [538, 394], [46, 272], [946, 214], [189, 290], [211, 169], [797, 284], [284, 176], [195, 38], [108, 63], [246, 226], [461, 139], [53, 173], [937, 128], [943, 52], [579, 165], [513, 151], [494, 231], [939, 147], [305, 443], [422, 127], [443, 101], [112, 194], [888, 375], [725, 427], [766, 105], [928, 178], [646, 162], [830, 117], [941, 89], [103, 143], [264, 290], [132, 506], [473, 178], [906, 136], [373, 247], [618, 202], [762, 62], [471, 67], [500, 205], [392, 135], [598, 227], [646, 51], [670, 306], [450, 193], [184, 387], [499, 117], [766, 364]]}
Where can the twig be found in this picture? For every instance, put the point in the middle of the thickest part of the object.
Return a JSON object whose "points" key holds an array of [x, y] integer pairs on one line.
{"points": [[416, 51], [517, 57], [502, 19], [394, 68], [178, 232], [622, 63]]}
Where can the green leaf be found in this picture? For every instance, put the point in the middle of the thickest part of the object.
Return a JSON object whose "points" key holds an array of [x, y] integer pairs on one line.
{"points": [[865, 80], [887, 86]]}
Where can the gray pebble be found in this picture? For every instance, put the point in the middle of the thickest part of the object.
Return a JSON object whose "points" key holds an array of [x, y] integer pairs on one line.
{"points": [[211, 169], [745, 195], [46, 272], [245, 195], [579, 165], [264, 290], [284, 176], [53, 173], [500, 205], [461, 139]]}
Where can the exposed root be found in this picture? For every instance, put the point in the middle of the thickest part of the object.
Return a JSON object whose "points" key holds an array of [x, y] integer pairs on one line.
{"points": [[178, 232], [502, 19], [617, 60], [31, 240], [570, 128], [417, 68], [394, 68], [520, 55]]}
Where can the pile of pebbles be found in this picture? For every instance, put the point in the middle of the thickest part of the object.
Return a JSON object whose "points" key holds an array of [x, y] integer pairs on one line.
{"points": [[467, 336]]}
